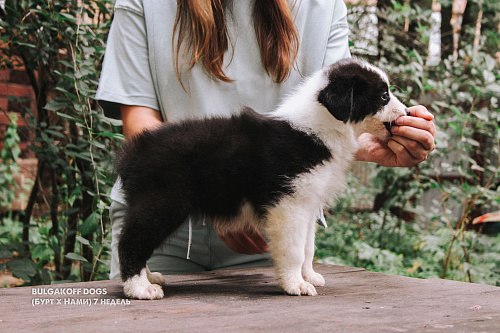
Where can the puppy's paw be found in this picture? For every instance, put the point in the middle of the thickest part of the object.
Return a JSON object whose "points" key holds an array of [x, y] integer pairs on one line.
{"points": [[151, 291], [138, 286], [299, 288], [314, 278], [157, 278]]}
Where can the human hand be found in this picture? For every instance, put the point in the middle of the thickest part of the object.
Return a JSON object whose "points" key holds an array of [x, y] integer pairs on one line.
{"points": [[411, 142], [248, 242]]}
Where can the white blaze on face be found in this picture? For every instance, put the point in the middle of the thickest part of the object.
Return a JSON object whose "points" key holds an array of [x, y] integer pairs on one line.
{"points": [[388, 114]]}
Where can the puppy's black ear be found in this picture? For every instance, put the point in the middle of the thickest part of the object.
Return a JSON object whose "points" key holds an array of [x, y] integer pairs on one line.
{"points": [[337, 98]]}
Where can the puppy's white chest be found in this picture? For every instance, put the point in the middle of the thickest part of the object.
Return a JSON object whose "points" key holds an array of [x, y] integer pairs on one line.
{"points": [[322, 184]]}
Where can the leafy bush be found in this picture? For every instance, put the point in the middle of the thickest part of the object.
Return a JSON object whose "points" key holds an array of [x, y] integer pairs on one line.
{"points": [[9, 167], [60, 44], [381, 241]]}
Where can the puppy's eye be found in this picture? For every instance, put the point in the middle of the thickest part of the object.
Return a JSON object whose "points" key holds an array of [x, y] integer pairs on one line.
{"points": [[385, 96]]}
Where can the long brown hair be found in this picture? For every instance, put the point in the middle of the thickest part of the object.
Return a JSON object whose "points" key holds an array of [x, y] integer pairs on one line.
{"points": [[201, 26]]}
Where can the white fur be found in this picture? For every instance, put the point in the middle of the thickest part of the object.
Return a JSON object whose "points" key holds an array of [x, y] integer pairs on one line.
{"points": [[375, 69], [141, 287]]}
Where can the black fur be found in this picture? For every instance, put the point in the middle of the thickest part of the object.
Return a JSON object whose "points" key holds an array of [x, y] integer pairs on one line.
{"points": [[351, 93], [206, 167]]}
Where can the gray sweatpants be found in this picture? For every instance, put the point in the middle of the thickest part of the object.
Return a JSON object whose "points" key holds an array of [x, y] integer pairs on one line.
{"points": [[208, 251]]}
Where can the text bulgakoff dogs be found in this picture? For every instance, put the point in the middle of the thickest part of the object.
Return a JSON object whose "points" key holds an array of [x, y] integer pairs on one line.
{"points": [[270, 172]]}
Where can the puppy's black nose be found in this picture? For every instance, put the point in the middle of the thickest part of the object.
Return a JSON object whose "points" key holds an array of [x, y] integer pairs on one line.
{"points": [[407, 112]]}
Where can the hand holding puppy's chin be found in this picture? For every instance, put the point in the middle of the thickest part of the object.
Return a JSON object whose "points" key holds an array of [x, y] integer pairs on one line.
{"points": [[377, 150]]}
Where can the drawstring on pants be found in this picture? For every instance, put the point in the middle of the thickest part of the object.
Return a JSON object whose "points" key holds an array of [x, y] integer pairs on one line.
{"points": [[190, 238]]}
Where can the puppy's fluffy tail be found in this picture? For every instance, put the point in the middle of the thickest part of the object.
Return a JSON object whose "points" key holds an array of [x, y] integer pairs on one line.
{"points": [[131, 158]]}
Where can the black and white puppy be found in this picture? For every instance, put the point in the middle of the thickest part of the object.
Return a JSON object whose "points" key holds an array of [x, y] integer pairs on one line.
{"points": [[268, 172]]}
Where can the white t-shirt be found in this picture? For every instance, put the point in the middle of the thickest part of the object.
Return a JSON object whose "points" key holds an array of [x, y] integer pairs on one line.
{"points": [[138, 66]]}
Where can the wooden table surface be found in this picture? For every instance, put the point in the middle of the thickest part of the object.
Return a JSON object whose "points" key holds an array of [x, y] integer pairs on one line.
{"points": [[248, 300]]}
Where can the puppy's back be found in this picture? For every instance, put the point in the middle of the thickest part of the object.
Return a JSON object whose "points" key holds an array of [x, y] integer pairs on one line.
{"points": [[217, 163]]}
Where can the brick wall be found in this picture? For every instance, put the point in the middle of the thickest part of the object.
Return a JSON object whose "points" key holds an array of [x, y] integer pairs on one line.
{"points": [[15, 82]]}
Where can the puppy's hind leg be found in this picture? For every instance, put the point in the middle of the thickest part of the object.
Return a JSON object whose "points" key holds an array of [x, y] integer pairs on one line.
{"points": [[287, 231], [138, 286], [146, 285], [155, 277], [145, 229]]}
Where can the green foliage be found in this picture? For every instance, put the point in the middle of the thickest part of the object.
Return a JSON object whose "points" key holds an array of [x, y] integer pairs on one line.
{"points": [[61, 44], [382, 242], [9, 167], [427, 234]]}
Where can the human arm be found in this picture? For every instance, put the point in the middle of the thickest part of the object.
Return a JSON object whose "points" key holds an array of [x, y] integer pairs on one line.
{"points": [[137, 119], [410, 144]]}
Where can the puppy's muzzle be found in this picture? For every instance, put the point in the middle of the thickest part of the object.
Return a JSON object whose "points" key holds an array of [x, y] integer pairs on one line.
{"points": [[388, 124]]}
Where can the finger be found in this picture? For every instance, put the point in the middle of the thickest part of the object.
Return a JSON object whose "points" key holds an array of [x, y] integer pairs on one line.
{"points": [[411, 147], [235, 244], [228, 239], [421, 136], [403, 156], [251, 245], [420, 123], [420, 111], [242, 243], [259, 241]]}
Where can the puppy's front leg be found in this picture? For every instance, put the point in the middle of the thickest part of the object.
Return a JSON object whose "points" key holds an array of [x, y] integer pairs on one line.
{"points": [[287, 240], [308, 272]]}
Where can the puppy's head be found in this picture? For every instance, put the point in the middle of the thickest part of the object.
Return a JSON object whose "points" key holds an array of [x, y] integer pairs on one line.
{"points": [[358, 93]]}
